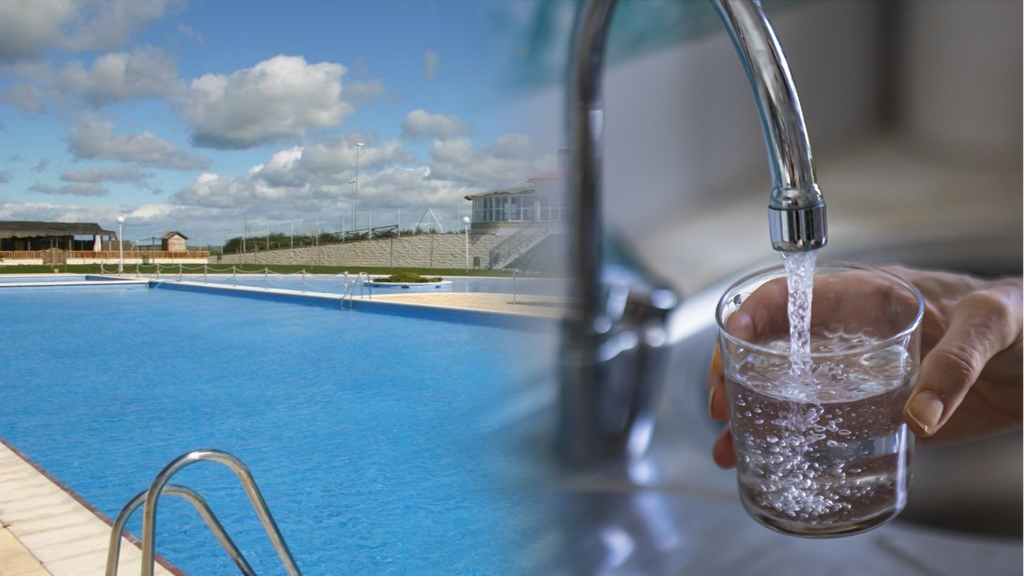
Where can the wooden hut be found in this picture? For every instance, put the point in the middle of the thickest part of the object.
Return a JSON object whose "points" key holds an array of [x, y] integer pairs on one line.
{"points": [[174, 241]]}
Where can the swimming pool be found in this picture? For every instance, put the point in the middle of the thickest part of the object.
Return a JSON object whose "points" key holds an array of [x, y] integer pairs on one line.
{"points": [[375, 438]]}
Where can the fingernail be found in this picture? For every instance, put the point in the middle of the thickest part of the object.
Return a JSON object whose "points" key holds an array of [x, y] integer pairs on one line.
{"points": [[711, 400], [925, 409]]}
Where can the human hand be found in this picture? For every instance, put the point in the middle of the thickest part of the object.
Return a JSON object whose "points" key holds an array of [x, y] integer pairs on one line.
{"points": [[970, 384], [970, 381]]}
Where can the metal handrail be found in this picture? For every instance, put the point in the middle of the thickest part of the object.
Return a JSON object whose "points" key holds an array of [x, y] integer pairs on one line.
{"points": [[244, 475], [363, 279], [496, 252], [349, 292], [199, 503], [347, 295], [509, 245]]}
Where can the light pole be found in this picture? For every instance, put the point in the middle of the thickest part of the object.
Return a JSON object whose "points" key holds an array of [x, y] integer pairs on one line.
{"points": [[465, 222], [120, 245], [355, 198], [353, 183]]}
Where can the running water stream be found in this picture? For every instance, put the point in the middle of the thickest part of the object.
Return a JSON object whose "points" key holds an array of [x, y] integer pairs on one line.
{"points": [[800, 283]]}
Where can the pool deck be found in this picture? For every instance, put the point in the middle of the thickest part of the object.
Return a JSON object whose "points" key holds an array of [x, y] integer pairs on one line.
{"points": [[526, 305], [46, 530], [65, 283]]}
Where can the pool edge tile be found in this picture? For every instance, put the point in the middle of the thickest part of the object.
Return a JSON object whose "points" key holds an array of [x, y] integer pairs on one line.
{"points": [[16, 559], [89, 549]]}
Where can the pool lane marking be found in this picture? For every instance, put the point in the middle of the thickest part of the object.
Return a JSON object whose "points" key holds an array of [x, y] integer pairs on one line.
{"points": [[65, 533]]}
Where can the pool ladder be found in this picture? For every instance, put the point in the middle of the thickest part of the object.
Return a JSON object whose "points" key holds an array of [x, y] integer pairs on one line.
{"points": [[160, 487], [350, 289]]}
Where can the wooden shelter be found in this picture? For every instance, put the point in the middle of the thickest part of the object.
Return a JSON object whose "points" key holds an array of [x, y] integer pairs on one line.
{"points": [[174, 241], [21, 235]]}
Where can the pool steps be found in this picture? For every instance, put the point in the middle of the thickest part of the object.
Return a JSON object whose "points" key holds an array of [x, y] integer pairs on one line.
{"points": [[350, 290], [160, 487]]}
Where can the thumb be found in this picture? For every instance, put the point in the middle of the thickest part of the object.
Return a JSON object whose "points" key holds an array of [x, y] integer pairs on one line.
{"points": [[977, 332]]}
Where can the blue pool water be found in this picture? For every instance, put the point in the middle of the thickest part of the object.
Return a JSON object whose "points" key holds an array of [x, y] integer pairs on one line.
{"points": [[379, 441]]}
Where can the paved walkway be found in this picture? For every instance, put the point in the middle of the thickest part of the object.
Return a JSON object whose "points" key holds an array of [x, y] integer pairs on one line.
{"points": [[526, 305], [45, 531]]}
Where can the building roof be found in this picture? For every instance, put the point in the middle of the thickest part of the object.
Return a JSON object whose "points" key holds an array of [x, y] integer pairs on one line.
{"points": [[505, 192], [22, 229], [172, 233]]}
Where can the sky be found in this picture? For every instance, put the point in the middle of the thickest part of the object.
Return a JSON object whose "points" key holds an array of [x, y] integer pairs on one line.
{"points": [[201, 115]]}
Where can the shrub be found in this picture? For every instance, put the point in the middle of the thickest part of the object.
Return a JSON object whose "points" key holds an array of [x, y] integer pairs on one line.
{"points": [[408, 277]]}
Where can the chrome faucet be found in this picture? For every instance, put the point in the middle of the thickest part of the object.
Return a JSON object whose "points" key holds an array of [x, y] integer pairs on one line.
{"points": [[614, 349]]}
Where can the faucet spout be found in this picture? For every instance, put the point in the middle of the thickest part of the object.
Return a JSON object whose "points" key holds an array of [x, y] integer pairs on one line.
{"points": [[613, 349], [796, 209]]}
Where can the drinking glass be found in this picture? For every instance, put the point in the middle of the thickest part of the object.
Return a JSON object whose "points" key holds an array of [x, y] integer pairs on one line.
{"points": [[821, 446]]}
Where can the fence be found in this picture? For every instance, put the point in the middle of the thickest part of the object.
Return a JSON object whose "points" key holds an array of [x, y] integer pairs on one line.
{"points": [[58, 256]]}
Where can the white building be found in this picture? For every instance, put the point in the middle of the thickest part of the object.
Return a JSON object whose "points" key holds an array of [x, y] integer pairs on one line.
{"points": [[534, 219], [545, 201]]}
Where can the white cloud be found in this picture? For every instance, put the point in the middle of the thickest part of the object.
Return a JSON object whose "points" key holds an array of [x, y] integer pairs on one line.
{"points": [[214, 191], [144, 73], [26, 27], [75, 189], [282, 169], [142, 221], [277, 99], [394, 188], [339, 157], [431, 61], [412, 189], [101, 174], [24, 96], [512, 146], [310, 176], [96, 139], [509, 160], [420, 124], [297, 182]]}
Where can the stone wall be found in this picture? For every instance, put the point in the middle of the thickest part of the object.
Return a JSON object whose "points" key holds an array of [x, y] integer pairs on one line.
{"points": [[420, 251]]}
